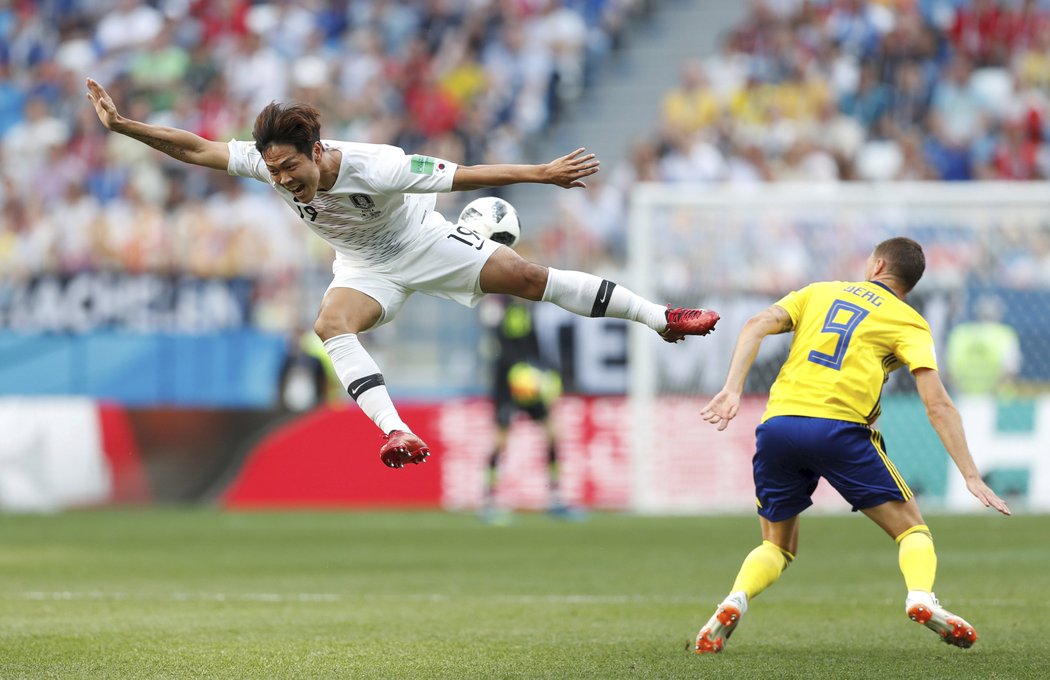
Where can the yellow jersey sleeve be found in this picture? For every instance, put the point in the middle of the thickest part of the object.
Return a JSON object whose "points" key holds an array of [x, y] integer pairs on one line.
{"points": [[848, 338], [915, 349], [793, 303]]}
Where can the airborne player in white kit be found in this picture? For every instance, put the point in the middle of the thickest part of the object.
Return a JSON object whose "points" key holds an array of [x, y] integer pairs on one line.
{"points": [[374, 204]]}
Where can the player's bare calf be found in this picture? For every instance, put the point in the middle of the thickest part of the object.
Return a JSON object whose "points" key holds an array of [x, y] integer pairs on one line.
{"points": [[402, 448], [682, 322]]}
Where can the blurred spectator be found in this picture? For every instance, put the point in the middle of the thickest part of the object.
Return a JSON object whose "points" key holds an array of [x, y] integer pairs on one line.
{"points": [[806, 162], [158, 69], [643, 165], [955, 105], [879, 160], [1031, 63], [908, 41], [561, 32], [748, 165], [290, 28], [979, 32], [520, 78], [857, 26], [914, 166], [130, 24], [727, 71], [1025, 24], [597, 215], [12, 99], [691, 159], [73, 217], [222, 22], [693, 105], [870, 101], [256, 73], [29, 141], [909, 102], [984, 355], [1016, 153], [949, 158]]}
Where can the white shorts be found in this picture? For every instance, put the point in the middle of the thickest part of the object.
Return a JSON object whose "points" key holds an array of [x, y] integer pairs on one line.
{"points": [[446, 265]]}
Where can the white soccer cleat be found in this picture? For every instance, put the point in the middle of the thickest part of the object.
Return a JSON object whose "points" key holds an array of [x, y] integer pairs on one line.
{"points": [[712, 637], [952, 628]]}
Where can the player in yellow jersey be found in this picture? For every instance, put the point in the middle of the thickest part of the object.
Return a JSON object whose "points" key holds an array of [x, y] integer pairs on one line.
{"points": [[849, 336]]}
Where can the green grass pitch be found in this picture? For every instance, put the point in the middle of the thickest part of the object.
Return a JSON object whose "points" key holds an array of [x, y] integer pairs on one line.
{"points": [[190, 593]]}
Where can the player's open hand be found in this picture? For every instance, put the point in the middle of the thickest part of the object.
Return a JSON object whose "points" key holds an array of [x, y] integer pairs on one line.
{"points": [[104, 106], [721, 409], [984, 494], [569, 170]]}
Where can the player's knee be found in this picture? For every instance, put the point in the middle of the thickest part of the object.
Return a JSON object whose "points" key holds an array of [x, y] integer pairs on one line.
{"points": [[329, 326], [336, 320], [534, 280]]}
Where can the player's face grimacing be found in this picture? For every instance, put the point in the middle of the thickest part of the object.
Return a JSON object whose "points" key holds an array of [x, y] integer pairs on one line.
{"points": [[294, 171]]}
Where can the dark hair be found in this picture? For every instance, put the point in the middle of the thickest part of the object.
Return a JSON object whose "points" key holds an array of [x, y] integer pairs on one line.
{"points": [[904, 260], [295, 124]]}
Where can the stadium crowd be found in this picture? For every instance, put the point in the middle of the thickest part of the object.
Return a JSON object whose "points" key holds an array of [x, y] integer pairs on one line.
{"points": [[869, 90], [848, 90], [470, 81], [802, 90]]}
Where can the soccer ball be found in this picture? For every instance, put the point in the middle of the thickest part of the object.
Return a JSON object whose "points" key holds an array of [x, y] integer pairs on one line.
{"points": [[493, 218]]}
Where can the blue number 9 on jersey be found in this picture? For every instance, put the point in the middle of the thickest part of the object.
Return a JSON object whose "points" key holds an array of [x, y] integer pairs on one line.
{"points": [[842, 329]]}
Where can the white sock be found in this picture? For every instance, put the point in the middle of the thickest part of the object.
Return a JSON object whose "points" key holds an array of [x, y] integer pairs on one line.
{"points": [[588, 295], [739, 598], [360, 375], [920, 597]]}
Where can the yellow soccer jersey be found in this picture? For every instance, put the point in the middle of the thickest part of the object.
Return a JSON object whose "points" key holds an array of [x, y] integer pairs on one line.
{"points": [[849, 337]]}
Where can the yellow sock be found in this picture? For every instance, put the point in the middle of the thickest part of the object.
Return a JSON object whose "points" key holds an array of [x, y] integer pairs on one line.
{"points": [[761, 568], [917, 558]]}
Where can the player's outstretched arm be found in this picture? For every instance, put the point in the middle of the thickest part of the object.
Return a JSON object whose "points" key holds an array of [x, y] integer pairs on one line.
{"points": [[724, 406], [179, 144], [565, 172], [946, 422]]}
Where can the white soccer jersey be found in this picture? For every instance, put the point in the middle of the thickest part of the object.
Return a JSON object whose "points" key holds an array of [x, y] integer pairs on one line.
{"points": [[381, 200]]}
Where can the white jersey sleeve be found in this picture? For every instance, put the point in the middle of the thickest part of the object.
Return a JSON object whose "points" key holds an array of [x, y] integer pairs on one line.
{"points": [[246, 161], [392, 171]]}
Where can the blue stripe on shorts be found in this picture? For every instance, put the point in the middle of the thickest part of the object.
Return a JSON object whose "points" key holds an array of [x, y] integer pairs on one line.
{"points": [[794, 452]]}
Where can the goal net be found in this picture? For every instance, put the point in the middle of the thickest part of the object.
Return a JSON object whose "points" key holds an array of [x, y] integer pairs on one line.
{"points": [[737, 250]]}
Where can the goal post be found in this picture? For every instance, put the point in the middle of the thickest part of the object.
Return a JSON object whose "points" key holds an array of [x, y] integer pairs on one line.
{"points": [[739, 249]]}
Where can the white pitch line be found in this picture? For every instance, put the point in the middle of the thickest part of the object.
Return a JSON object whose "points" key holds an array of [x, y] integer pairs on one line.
{"points": [[183, 597], [427, 597], [64, 595], [552, 599]]}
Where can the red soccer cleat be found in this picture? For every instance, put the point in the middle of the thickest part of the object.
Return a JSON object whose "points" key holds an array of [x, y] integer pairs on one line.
{"points": [[403, 447], [682, 322], [952, 628], [712, 637]]}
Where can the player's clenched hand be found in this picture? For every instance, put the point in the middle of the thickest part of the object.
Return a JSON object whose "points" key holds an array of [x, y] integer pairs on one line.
{"points": [[721, 409], [104, 106], [984, 494], [569, 170]]}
